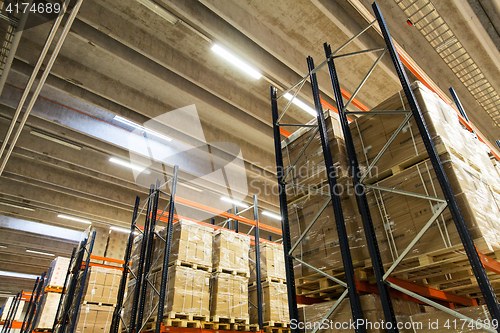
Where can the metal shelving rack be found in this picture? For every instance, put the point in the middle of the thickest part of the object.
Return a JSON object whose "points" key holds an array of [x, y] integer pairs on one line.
{"points": [[31, 316], [448, 202], [138, 296], [11, 314], [74, 285], [153, 215]]}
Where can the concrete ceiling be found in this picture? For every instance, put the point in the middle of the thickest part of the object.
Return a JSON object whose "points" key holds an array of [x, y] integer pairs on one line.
{"points": [[122, 59]]}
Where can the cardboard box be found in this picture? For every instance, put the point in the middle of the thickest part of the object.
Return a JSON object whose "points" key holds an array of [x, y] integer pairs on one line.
{"points": [[230, 251], [191, 243], [370, 306], [94, 319], [229, 296], [57, 272], [274, 303], [48, 309], [117, 245], [102, 285], [272, 262]]}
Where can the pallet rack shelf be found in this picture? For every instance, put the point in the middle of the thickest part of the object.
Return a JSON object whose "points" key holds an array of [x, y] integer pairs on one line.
{"points": [[384, 283], [153, 215]]}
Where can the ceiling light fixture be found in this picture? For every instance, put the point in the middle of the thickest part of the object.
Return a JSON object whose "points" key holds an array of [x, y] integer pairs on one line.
{"points": [[301, 104], [3, 247], [159, 10], [74, 218], [236, 61], [191, 187], [142, 128], [235, 202], [18, 275], [61, 142], [129, 165], [272, 215], [17, 206], [43, 253]]}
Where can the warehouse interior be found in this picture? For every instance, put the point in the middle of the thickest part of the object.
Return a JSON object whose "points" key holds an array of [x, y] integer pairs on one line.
{"points": [[127, 65]]}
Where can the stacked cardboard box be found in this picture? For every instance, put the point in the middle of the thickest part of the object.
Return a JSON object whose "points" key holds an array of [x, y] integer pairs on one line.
{"points": [[230, 252], [309, 170], [439, 321], [272, 262], [274, 303], [50, 301], [116, 246], [372, 312], [102, 285], [94, 319], [397, 218], [191, 245], [8, 304], [229, 297], [229, 281], [320, 247]]}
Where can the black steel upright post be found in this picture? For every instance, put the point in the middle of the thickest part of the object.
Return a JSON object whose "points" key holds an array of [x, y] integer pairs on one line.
{"points": [[11, 315], [359, 190], [30, 324], [463, 231], [78, 301], [140, 266], [147, 259], [123, 282], [68, 273], [285, 227], [30, 305], [236, 227], [345, 252], [458, 104], [67, 298], [166, 251], [257, 264]]}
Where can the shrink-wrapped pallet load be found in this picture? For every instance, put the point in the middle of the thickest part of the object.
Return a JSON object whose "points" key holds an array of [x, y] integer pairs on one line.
{"points": [[229, 297], [102, 285], [230, 252], [371, 307], [94, 319], [57, 272], [272, 262], [274, 304], [191, 245]]}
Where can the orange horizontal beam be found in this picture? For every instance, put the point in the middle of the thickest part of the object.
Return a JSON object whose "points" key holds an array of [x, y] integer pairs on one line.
{"points": [[15, 324], [433, 293], [327, 105], [284, 132], [308, 300], [488, 263], [226, 214], [53, 290], [164, 218], [117, 261]]}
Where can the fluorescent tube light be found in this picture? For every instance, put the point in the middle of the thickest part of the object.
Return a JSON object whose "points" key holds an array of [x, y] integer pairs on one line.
{"points": [[74, 218], [129, 165], [18, 275], [142, 128], [237, 203], [45, 254], [16, 206], [236, 61], [272, 215], [119, 229], [3, 247], [61, 142], [191, 187], [301, 104], [159, 10]]}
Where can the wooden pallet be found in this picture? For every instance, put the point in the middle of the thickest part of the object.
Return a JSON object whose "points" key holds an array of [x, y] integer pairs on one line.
{"points": [[184, 316], [190, 265], [230, 320], [42, 330], [231, 271], [273, 323], [272, 329], [268, 279]]}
